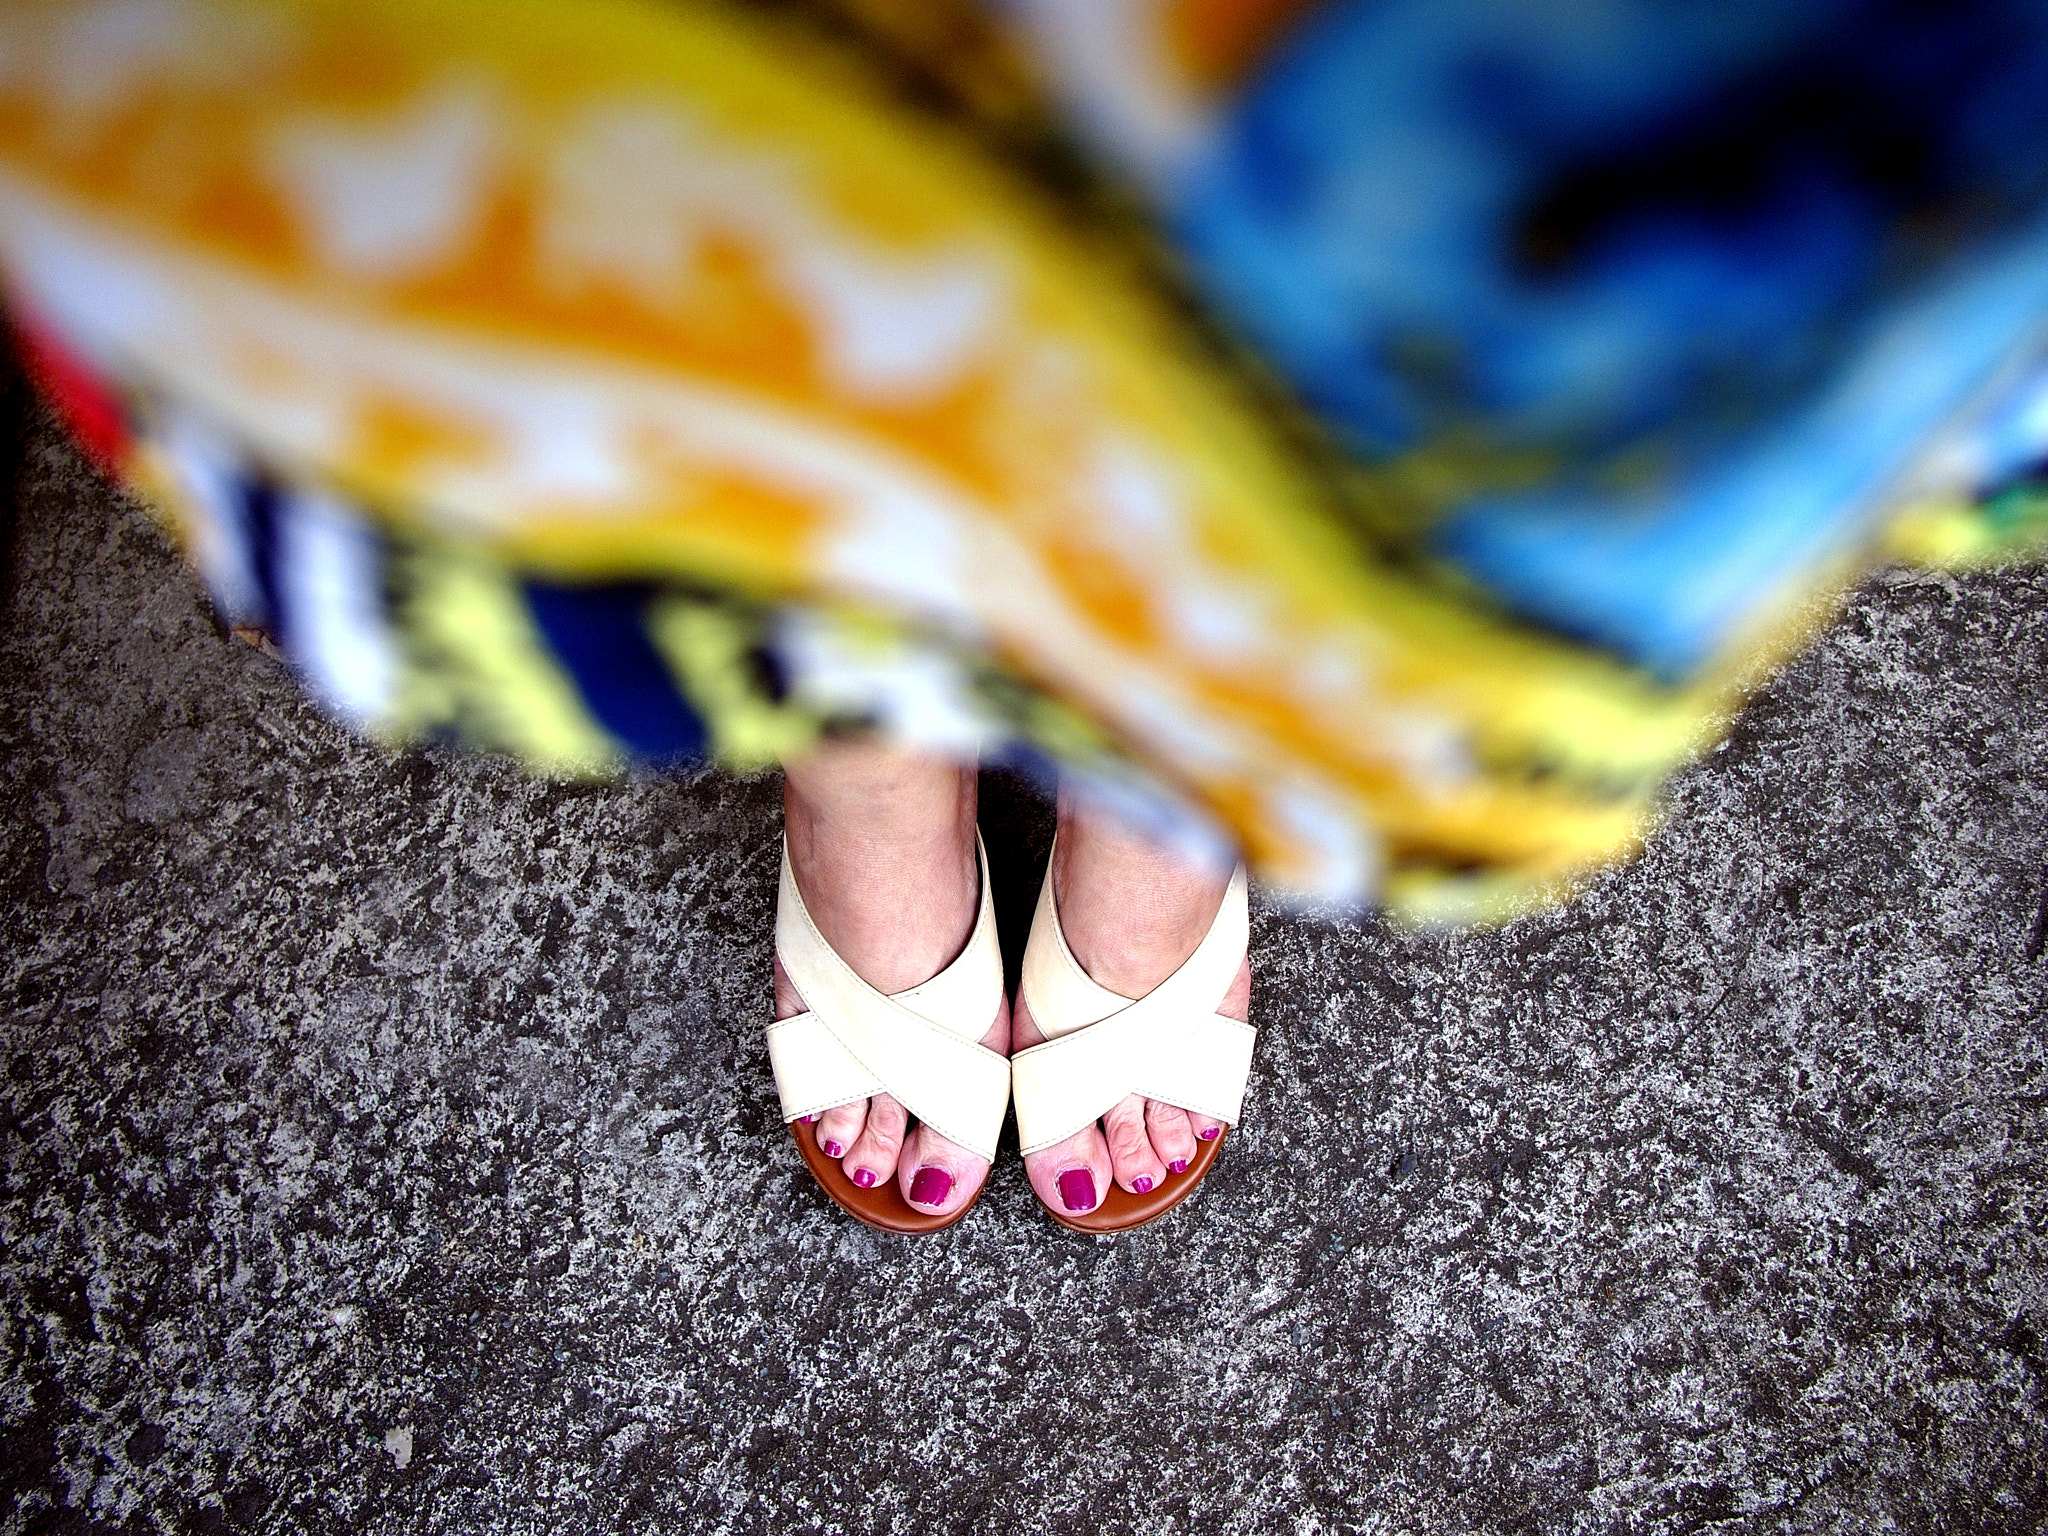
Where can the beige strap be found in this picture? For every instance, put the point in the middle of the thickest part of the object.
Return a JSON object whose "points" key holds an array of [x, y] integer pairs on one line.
{"points": [[1170, 1044], [922, 1046]]}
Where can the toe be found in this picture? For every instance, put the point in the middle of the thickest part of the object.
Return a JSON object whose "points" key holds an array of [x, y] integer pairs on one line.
{"points": [[1205, 1129], [838, 1129], [1173, 1139], [938, 1176], [1131, 1159], [872, 1158], [1070, 1176], [835, 1130]]}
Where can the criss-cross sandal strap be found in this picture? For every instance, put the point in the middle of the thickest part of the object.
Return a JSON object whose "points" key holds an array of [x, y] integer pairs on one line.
{"points": [[922, 1046], [1170, 1045]]}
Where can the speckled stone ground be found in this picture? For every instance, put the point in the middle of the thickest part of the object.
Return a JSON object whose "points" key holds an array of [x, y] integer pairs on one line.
{"points": [[387, 1145]]}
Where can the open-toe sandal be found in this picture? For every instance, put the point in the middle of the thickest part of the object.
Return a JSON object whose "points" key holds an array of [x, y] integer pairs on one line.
{"points": [[922, 1046], [1170, 1045]]}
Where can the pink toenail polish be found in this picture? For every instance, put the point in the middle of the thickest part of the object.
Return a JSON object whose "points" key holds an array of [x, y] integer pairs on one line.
{"points": [[864, 1177], [810, 1120], [1212, 1133], [931, 1186], [1141, 1185], [1178, 1165], [1077, 1189], [833, 1149]]}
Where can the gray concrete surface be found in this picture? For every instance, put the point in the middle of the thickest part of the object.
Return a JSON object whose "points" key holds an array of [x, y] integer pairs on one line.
{"points": [[387, 1145]]}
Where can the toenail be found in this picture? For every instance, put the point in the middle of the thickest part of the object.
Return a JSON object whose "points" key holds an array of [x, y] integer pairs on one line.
{"points": [[1178, 1165], [1141, 1185], [833, 1149], [931, 1186], [1077, 1189], [864, 1177], [1212, 1133], [809, 1120]]}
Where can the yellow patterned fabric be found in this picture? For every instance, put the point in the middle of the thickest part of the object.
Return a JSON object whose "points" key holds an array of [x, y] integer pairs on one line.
{"points": [[678, 293]]}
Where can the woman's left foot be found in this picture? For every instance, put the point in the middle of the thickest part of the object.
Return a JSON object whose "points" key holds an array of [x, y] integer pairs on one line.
{"points": [[1132, 912]]}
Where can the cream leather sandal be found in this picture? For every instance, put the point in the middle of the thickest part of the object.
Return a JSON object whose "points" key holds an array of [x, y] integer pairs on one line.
{"points": [[923, 1046], [1171, 1044]]}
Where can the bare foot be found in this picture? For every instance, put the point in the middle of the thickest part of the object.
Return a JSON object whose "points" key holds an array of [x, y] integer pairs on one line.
{"points": [[882, 847], [1132, 911]]}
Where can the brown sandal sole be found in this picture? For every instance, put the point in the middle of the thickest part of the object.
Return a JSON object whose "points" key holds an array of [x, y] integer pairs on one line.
{"points": [[882, 1206], [1121, 1211]]}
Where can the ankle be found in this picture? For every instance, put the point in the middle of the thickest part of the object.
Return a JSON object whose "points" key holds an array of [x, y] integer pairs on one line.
{"points": [[883, 849], [868, 800], [1132, 910]]}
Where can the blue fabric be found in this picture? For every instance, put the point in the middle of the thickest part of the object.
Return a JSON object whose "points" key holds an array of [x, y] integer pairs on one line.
{"points": [[1680, 288], [259, 528], [598, 634]]}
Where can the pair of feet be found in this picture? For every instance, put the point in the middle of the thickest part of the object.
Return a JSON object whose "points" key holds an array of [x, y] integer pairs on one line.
{"points": [[883, 850]]}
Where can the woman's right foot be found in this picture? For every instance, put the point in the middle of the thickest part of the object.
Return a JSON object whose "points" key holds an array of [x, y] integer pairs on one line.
{"points": [[883, 850]]}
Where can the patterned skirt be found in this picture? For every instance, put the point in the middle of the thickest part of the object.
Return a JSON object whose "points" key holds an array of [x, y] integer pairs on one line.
{"points": [[1389, 436]]}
